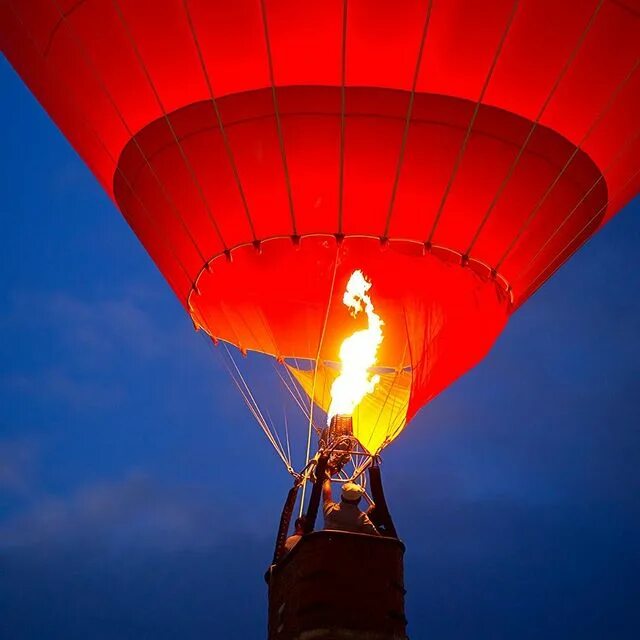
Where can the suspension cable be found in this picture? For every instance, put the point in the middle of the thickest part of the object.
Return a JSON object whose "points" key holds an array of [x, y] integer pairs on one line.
{"points": [[467, 136], [295, 397], [247, 395], [245, 384], [557, 230], [223, 131], [286, 431], [296, 389], [276, 110], [275, 436], [167, 119], [343, 108], [533, 213], [315, 370], [507, 178], [403, 412], [274, 431], [82, 49], [534, 285], [407, 120], [388, 394], [161, 237]]}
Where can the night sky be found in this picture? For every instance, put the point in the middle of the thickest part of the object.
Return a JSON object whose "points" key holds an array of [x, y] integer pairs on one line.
{"points": [[138, 499]]}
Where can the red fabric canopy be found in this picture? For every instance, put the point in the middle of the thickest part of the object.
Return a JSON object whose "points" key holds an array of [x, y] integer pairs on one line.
{"points": [[456, 151]]}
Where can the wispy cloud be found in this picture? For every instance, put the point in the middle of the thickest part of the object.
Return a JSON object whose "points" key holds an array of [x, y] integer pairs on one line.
{"points": [[79, 351], [17, 460], [74, 391], [134, 511], [91, 328]]}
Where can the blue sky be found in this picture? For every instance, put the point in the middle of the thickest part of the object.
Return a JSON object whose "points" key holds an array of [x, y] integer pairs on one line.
{"points": [[139, 500]]}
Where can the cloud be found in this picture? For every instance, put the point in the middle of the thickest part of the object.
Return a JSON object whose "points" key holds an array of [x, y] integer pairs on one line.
{"points": [[87, 352], [92, 329], [216, 592], [132, 558], [76, 392], [17, 459], [134, 511]]}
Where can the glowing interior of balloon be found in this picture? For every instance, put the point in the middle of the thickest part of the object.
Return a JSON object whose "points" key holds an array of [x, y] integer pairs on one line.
{"points": [[358, 352]]}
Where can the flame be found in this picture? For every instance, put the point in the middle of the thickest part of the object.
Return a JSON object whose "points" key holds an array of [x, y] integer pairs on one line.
{"points": [[358, 352]]}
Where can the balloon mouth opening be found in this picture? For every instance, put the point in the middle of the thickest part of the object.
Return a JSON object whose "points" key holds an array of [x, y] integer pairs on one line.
{"points": [[439, 318], [214, 274]]}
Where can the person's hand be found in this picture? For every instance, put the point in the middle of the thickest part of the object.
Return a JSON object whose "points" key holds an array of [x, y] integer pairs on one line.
{"points": [[332, 470]]}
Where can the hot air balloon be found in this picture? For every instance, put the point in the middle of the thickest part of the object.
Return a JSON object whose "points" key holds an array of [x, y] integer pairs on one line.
{"points": [[455, 153]]}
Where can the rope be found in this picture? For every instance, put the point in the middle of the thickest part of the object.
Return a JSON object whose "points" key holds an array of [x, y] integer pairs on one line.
{"points": [[251, 402], [291, 392], [239, 387], [388, 395], [254, 404], [276, 110], [343, 105], [407, 120], [403, 413], [315, 371], [247, 396], [465, 141], [108, 153], [275, 433], [525, 225], [261, 349], [298, 391], [534, 285], [534, 126], [183, 155], [613, 162], [246, 392], [286, 431], [89, 63], [216, 110]]}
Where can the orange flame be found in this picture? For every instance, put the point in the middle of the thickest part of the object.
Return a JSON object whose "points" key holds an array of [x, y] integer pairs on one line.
{"points": [[358, 352]]}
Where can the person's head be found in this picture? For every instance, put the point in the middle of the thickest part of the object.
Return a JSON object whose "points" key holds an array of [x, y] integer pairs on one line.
{"points": [[351, 493], [299, 525]]}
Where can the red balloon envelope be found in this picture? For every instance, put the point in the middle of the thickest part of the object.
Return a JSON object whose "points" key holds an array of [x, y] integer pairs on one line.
{"points": [[456, 151]]}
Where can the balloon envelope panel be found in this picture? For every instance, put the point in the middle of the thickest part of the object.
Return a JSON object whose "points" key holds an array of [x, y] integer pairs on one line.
{"points": [[457, 152]]}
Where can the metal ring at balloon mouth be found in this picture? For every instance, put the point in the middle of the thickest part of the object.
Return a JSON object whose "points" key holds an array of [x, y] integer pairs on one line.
{"points": [[445, 254]]}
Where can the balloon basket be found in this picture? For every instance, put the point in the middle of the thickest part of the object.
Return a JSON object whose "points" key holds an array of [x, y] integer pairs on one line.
{"points": [[335, 585]]}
